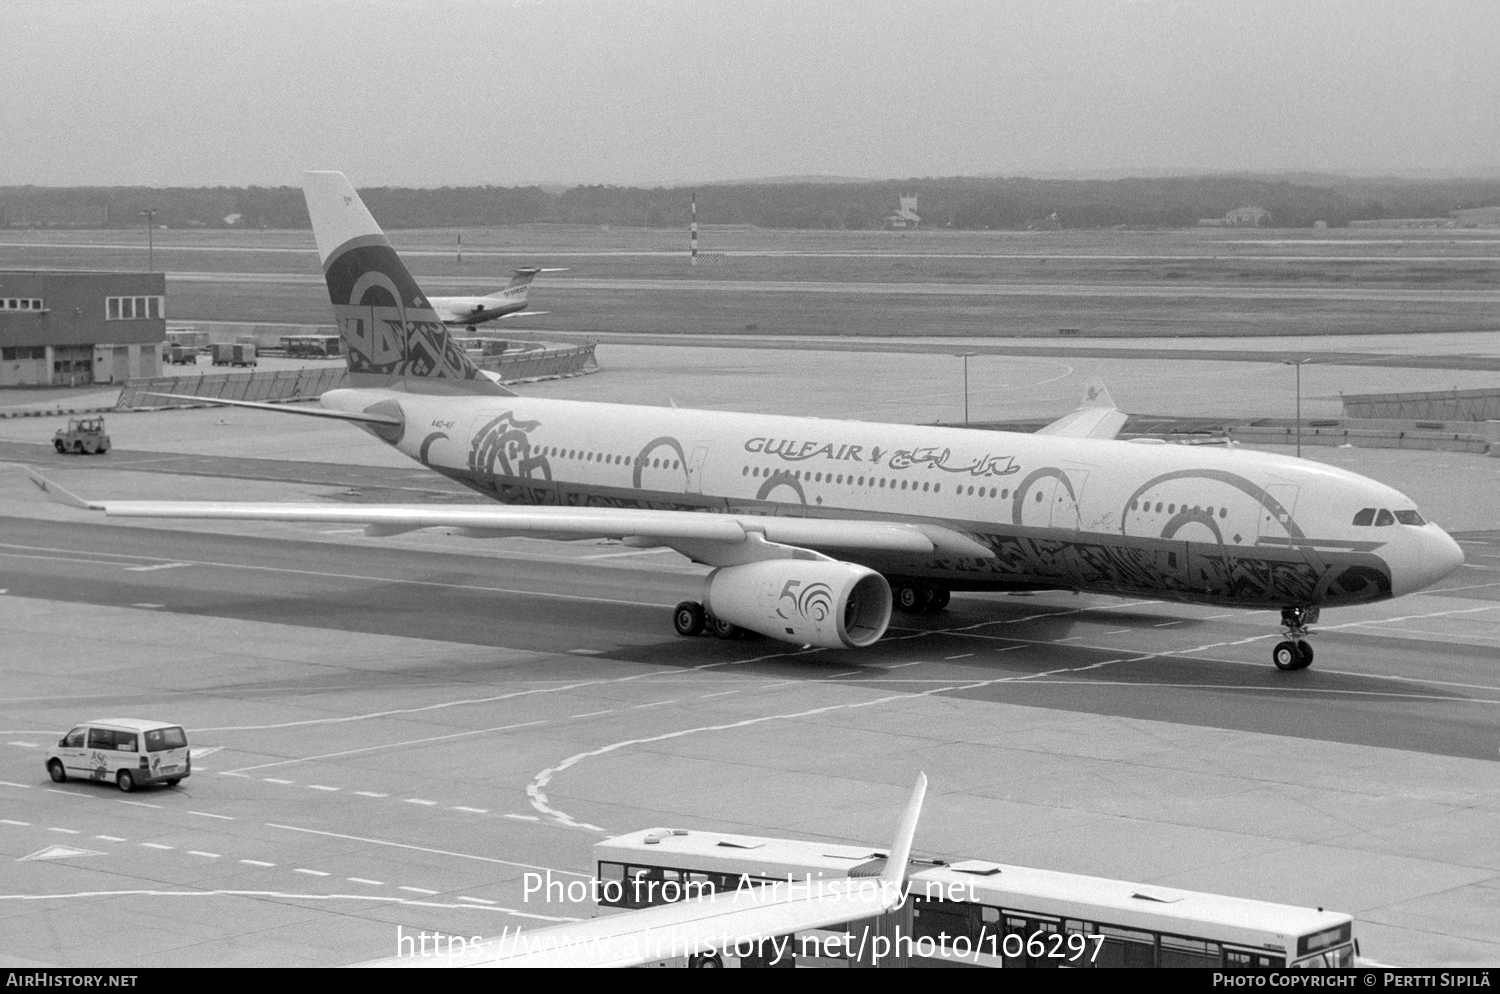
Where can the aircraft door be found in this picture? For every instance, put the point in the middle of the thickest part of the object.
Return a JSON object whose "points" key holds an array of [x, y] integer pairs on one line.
{"points": [[1067, 500], [1277, 510], [695, 470]]}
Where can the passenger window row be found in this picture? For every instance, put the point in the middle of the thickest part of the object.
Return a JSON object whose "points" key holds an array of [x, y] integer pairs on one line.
{"points": [[1380, 517], [1146, 507], [847, 479], [581, 455]]}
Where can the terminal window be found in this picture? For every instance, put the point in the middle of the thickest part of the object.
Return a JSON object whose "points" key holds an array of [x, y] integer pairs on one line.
{"points": [[21, 304], [133, 308], [13, 353]]}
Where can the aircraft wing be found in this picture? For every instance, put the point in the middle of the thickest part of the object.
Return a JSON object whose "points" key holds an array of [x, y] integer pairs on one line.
{"points": [[1097, 417], [716, 539], [699, 926]]}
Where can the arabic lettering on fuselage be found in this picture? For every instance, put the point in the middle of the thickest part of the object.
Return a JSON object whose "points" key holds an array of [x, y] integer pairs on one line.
{"points": [[792, 450], [938, 459]]}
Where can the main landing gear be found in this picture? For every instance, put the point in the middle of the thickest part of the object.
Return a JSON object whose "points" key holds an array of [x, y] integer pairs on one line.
{"points": [[689, 619], [1295, 653], [919, 600]]}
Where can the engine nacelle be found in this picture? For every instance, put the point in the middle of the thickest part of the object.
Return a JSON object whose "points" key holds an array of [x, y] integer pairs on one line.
{"points": [[809, 601]]}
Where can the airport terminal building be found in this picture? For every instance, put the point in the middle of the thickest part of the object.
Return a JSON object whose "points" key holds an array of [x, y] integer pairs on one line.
{"points": [[76, 328]]}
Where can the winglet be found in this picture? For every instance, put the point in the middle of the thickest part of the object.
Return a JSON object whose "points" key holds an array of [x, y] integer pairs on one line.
{"points": [[893, 877], [60, 495]]}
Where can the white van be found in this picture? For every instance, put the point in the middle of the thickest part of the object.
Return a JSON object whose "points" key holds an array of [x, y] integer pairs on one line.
{"points": [[125, 751]]}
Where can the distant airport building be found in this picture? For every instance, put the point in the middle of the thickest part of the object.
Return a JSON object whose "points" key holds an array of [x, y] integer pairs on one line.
{"points": [[71, 329], [906, 215], [1240, 217], [1468, 217]]}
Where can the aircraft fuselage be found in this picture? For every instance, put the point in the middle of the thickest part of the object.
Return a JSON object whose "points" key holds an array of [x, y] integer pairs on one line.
{"points": [[1188, 523]]}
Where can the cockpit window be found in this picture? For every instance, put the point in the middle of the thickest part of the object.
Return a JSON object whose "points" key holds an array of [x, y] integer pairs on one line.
{"points": [[1384, 518], [1365, 516], [1409, 518]]}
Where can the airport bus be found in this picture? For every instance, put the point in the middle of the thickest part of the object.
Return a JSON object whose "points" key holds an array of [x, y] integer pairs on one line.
{"points": [[976, 913]]}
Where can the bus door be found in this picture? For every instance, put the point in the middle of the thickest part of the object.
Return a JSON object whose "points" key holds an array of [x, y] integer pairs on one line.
{"points": [[1036, 935]]}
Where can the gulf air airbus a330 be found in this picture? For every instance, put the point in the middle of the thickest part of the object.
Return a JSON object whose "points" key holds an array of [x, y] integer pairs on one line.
{"points": [[815, 528]]}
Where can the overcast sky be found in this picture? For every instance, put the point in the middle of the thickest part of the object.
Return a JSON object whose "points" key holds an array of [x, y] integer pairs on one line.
{"points": [[447, 92]]}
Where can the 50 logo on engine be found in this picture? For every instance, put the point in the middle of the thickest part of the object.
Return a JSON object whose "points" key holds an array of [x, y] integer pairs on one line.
{"points": [[814, 601]]}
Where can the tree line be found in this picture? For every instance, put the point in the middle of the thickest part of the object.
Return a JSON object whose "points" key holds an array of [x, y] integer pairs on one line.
{"points": [[952, 202]]}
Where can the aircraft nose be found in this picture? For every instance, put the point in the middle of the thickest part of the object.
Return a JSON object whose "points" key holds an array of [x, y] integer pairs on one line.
{"points": [[1436, 556]]}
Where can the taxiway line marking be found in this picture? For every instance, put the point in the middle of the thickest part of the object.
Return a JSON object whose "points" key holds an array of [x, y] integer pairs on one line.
{"points": [[210, 814], [1120, 631], [417, 890], [472, 811], [318, 786], [282, 896], [962, 655], [593, 714], [362, 880], [390, 745], [311, 873], [370, 793], [199, 852], [653, 704], [524, 817], [274, 780], [545, 595], [24, 745], [418, 800], [138, 804], [66, 831], [256, 862], [426, 849], [156, 845], [476, 900], [110, 838], [12, 821]]}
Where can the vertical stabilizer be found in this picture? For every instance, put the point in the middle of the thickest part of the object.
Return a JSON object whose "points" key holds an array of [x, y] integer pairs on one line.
{"points": [[391, 335], [893, 878]]}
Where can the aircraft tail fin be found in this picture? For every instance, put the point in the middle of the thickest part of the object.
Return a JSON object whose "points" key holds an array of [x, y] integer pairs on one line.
{"points": [[391, 335], [1096, 417], [893, 877], [520, 280]]}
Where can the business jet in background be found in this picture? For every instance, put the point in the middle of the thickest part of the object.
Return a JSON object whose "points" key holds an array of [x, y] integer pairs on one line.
{"points": [[466, 312], [817, 528]]}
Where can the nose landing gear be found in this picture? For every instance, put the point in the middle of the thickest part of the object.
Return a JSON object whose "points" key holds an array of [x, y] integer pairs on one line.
{"points": [[1295, 653]]}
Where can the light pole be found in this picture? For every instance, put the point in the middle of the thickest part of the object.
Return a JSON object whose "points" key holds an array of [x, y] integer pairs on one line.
{"points": [[150, 215], [965, 356], [1297, 364]]}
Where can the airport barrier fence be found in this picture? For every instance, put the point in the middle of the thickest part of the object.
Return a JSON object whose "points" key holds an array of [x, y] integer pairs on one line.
{"points": [[1436, 405], [309, 382]]}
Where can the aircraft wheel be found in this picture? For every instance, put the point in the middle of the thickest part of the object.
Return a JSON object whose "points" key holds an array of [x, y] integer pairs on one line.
{"points": [[1304, 654], [940, 598], [705, 963], [688, 619], [724, 630], [1286, 656], [907, 599]]}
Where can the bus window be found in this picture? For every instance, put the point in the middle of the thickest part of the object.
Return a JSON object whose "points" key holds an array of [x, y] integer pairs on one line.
{"points": [[1179, 952], [943, 921], [1335, 959], [1246, 959], [1036, 936], [1123, 947]]}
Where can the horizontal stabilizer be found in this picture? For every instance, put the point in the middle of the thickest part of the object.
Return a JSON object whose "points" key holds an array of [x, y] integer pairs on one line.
{"points": [[60, 495], [311, 412]]}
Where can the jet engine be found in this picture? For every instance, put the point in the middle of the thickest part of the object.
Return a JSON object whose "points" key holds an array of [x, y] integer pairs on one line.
{"points": [[814, 602]]}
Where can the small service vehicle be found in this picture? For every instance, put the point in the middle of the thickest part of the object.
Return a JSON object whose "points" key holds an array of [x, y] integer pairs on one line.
{"points": [[83, 435], [127, 752]]}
